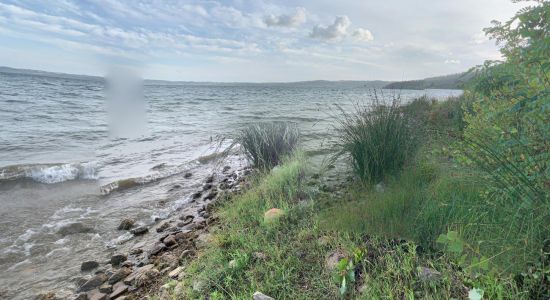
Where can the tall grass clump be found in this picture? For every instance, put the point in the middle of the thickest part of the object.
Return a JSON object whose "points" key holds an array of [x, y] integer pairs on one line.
{"points": [[379, 138], [266, 144]]}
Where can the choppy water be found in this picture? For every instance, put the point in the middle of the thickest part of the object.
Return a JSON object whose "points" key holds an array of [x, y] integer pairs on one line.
{"points": [[56, 155]]}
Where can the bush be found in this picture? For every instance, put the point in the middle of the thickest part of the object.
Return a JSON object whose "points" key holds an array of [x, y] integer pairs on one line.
{"points": [[266, 144], [379, 138]]}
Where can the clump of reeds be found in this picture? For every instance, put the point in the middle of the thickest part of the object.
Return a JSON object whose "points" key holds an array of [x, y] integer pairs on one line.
{"points": [[266, 144], [378, 137]]}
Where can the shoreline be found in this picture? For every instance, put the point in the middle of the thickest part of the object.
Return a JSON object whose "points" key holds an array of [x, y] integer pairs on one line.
{"points": [[169, 241]]}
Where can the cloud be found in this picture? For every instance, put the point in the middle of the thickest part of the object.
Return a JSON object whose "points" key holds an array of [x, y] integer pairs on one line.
{"points": [[294, 20], [452, 61], [335, 31], [362, 35], [479, 38]]}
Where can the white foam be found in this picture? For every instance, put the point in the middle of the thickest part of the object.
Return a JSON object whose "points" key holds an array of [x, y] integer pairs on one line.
{"points": [[61, 173]]}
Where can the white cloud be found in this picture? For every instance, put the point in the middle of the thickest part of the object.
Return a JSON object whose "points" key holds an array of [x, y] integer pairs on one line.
{"points": [[363, 35], [335, 31], [293, 20], [452, 61], [479, 38]]}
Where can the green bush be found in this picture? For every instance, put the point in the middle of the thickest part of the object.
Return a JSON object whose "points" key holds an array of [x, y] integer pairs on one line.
{"points": [[379, 139], [266, 144]]}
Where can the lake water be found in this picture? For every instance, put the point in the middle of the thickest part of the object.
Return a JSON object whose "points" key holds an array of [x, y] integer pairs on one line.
{"points": [[60, 165]]}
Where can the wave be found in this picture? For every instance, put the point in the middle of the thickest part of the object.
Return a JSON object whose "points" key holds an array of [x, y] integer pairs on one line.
{"points": [[50, 173]]}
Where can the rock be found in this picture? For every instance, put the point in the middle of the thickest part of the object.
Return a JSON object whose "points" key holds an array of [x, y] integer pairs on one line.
{"points": [[119, 275], [260, 296], [174, 273], [187, 253], [211, 195], [140, 230], [198, 286], [97, 295], [226, 168], [232, 263], [203, 240], [130, 278], [146, 277], [167, 260], [196, 195], [126, 224], [207, 186], [170, 241], [94, 282], [82, 280], [127, 264], [163, 227], [188, 175], [272, 215], [118, 258], [88, 265], [46, 296], [428, 274], [81, 296], [187, 219], [210, 179], [259, 256], [74, 228], [106, 288], [175, 187], [333, 258], [157, 248], [118, 289]]}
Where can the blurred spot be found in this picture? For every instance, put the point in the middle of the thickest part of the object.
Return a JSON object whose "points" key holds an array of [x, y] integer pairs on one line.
{"points": [[125, 103]]}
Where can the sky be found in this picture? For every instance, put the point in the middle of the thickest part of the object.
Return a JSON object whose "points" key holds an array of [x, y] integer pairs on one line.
{"points": [[251, 40]]}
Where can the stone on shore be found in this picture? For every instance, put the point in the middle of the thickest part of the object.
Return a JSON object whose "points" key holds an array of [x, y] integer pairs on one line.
{"points": [[118, 258], [261, 296], [94, 282], [118, 289], [174, 273], [74, 228], [126, 224], [106, 288], [97, 295], [170, 241], [188, 175], [140, 230], [119, 275], [88, 265]]}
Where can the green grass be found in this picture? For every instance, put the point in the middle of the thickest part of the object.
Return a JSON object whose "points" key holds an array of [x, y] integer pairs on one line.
{"points": [[377, 137], [266, 144]]}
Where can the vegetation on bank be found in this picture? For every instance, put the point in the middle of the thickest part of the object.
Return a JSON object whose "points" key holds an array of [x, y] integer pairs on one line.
{"points": [[449, 199]]}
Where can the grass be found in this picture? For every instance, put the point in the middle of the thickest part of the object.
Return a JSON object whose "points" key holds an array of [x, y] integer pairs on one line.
{"points": [[266, 144], [396, 230], [377, 137]]}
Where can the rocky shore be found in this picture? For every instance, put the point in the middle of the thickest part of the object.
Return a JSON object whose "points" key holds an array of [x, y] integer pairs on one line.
{"points": [[169, 243]]}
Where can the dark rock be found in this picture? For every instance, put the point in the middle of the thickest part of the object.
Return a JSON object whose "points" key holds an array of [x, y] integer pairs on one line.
{"points": [[207, 186], [118, 289], [184, 235], [97, 295], [126, 224], [170, 241], [226, 168], [188, 175], [210, 179], [211, 195], [167, 259], [132, 277], [127, 264], [94, 282], [187, 219], [163, 227], [196, 195], [157, 248], [119, 275], [46, 296], [140, 230], [175, 187], [118, 258], [88, 265], [106, 288], [74, 228], [187, 253]]}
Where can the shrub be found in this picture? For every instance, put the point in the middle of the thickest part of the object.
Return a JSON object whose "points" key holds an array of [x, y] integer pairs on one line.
{"points": [[266, 144], [379, 138]]}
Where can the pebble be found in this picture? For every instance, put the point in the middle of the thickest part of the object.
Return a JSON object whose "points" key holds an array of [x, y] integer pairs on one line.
{"points": [[94, 282], [140, 230], [118, 258], [89, 265]]}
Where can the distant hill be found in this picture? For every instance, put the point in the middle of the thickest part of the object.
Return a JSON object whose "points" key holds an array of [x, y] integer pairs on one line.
{"points": [[453, 81]]}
